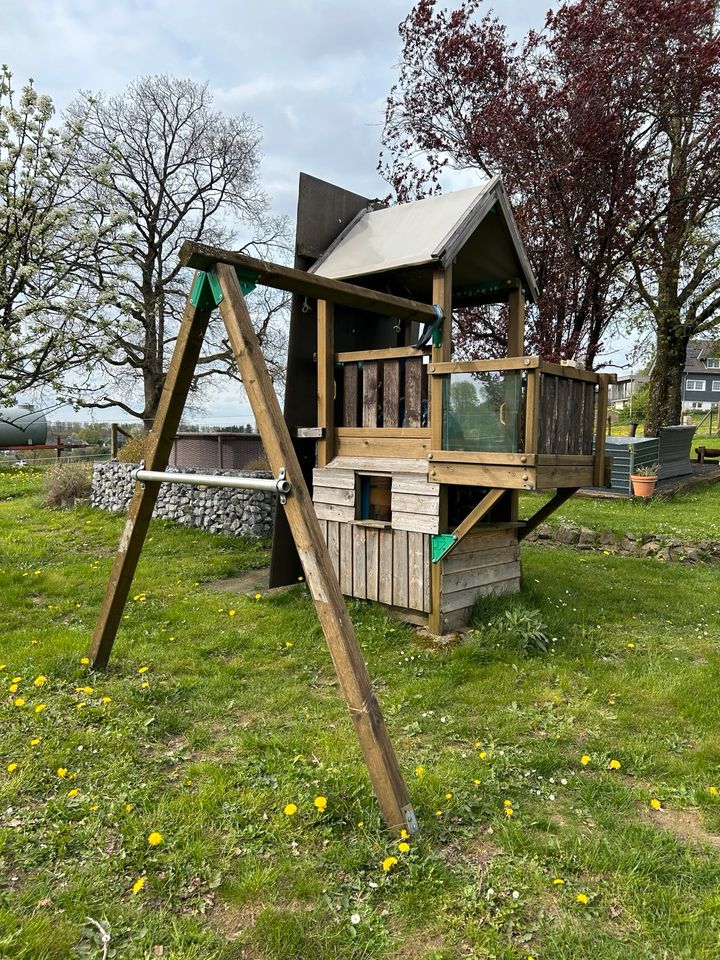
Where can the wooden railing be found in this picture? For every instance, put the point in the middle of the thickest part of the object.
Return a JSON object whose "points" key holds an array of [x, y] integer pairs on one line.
{"points": [[382, 389]]}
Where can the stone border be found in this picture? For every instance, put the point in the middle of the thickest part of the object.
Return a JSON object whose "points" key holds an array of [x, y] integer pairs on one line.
{"points": [[238, 513], [627, 544]]}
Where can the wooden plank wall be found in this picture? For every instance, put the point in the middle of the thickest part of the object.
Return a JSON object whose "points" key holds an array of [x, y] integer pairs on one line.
{"points": [[481, 564], [566, 416], [374, 561]]}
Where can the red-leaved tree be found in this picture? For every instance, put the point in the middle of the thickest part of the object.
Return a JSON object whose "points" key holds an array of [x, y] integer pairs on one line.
{"points": [[586, 122]]}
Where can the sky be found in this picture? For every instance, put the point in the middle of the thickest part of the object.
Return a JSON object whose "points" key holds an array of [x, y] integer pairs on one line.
{"points": [[314, 74]]}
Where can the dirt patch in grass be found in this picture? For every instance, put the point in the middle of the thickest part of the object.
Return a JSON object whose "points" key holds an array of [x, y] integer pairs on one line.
{"points": [[686, 825], [232, 921], [249, 582]]}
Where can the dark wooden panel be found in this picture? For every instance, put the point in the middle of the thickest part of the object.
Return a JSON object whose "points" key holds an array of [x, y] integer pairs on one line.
{"points": [[391, 393], [350, 395], [370, 394], [413, 393]]}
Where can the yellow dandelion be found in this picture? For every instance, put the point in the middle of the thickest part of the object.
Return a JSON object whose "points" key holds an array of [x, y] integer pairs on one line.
{"points": [[482, 755], [35, 741], [231, 613], [258, 596], [631, 646], [155, 839], [87, 690], [61, 772], [289, 643], [403, 846], [558, 881], [138, 885], [585, 759], [143, 669], [713, 791], [476, 782], [19, 701], [84, 661], [388, 863], [320, 803], [448, 796], [419, 772], [94, 807], [290, 809], [13, 688], [39, 708], [145, 684], [74, 792], [509, 812], [39, 681], [16, 679], [582, 898], [655, 804], [128, 807], [438, 813], [11, 767], [404, 835], [614, 764]]}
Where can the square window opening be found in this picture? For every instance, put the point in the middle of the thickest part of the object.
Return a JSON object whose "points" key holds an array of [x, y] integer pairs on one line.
{"points": [[375, 498]]}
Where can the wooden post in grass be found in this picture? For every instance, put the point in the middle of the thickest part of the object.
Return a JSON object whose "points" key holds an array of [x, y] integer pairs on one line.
{"points": [[347, 657], [221, 285], [175, 391]]}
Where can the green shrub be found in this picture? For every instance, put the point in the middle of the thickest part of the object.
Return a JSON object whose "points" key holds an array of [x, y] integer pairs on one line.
{"points": [[66, 483]]}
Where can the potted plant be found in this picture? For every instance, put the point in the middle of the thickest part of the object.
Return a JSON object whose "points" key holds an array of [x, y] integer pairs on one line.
{"points": [[644, 480]]}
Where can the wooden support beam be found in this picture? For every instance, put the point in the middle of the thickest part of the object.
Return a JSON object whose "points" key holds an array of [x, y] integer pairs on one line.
{"points": [[516, 348], [600, 427], [544, 512], [326, 380], [202, 257], [442, 296], [471, 520], [175, 391], [322, 582]]}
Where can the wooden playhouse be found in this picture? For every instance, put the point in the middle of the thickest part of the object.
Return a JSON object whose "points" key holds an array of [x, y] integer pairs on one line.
{"points": [[415, 460]]}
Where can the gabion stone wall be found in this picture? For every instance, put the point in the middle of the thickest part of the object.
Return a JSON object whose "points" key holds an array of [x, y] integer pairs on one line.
{"points": [[240, 513]]}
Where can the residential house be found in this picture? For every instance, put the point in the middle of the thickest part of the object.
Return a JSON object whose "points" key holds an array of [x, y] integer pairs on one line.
{"points": [[700, 383]]}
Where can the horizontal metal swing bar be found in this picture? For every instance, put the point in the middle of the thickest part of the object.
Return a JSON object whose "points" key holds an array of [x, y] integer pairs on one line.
{"points": [[202, 257], [275, 485]]}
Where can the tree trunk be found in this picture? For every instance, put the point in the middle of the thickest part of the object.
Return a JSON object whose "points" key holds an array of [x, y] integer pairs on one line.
{"points": [[666, 376]]}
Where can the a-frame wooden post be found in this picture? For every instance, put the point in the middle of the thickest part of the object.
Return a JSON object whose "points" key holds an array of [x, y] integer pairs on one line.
{"points": [[385, 774], [347, 657], [175, 391]]}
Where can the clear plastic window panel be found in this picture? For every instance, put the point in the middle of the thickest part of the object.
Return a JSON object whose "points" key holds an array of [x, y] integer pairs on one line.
{"points": [[481, 411]]}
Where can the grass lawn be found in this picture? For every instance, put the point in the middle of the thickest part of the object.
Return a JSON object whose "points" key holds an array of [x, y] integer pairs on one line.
{"points": [[219, 710], [686, 516]]}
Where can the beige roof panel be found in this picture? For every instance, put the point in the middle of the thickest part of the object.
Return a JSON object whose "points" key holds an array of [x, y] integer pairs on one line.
{"points": [[408, 234]]}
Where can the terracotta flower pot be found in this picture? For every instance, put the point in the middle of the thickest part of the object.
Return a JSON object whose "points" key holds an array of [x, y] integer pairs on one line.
{"points": [[643, 486]]}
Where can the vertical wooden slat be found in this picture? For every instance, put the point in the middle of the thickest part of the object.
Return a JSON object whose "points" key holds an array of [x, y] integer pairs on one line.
{"points": [[413, 392], [400, 568], [516, 348], [347, 657], [442, 296], [359, 583], [427, 572], [415, 571], [370, 394], [167, 419], [385, 566], [589, 419], [350, 395], [346, 558], [333, 542], [326, 381], [600, 428], [532, 412], [323, 524], [391, 393], [371, 563]]}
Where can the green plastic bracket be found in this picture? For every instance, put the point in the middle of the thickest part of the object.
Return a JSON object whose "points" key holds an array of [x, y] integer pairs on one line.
{"points": [[247, 281], [440, 543], [437, 334], [202, 295]]}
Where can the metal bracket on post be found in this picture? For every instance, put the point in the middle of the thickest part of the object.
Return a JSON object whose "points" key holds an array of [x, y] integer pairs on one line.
{"points": [[282, 492], [433, 331]]}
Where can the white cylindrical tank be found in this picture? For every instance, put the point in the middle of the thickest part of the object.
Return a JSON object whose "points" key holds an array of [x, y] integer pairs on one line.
{"points": [[22, 426]]}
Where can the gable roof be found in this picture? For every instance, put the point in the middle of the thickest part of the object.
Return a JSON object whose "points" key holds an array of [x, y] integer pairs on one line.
{"points": [[438, 230]]}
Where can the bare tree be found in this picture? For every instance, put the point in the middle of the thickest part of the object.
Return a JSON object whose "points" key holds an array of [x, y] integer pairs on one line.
{"points": [[172, 168], [44, 245]]}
